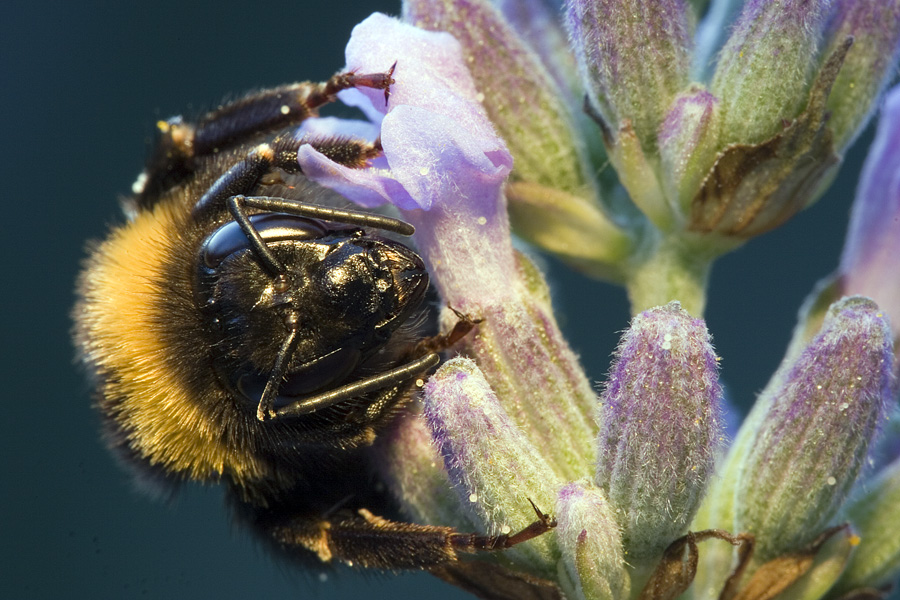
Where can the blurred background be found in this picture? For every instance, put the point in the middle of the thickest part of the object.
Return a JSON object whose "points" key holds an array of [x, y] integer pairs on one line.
{"points": [[83, 85]]}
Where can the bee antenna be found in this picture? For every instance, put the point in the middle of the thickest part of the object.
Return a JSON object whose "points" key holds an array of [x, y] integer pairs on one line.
{"points": [[267, 400], [237, 208]]}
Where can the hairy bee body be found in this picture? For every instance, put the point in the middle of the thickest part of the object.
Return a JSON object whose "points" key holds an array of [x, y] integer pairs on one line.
{"points": [[148, 347], [239, 329]]}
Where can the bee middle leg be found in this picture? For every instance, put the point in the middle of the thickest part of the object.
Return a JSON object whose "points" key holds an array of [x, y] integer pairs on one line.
{"points": [[258, 114]]}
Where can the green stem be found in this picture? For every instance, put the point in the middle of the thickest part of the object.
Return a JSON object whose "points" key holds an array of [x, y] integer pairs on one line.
{"points": [[675, 269]]}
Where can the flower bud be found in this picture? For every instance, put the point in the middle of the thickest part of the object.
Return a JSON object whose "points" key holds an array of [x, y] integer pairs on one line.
{"points": [[634, 57], [688, 142], [874, 516], [874, 26], [661, 428], [591, 544], [766, 67], [755, 187], [492, 464], [811, 433]]}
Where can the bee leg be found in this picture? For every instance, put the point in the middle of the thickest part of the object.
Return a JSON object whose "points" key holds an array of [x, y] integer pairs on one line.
{"points": [[242, 178], [397, 375], [239, 121], [278, 108], [443, 341], [367, 540]]}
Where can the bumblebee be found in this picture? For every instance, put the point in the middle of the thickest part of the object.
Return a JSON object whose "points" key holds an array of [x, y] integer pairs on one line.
{"points": [[239, 328]]}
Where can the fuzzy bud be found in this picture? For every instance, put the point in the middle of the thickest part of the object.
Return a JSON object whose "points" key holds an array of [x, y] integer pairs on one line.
{"points": [[807, 449], [661, 428], [591, 544]]}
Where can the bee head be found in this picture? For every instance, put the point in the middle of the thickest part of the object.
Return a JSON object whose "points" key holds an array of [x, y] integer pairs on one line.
{"points": [[335, 298]]}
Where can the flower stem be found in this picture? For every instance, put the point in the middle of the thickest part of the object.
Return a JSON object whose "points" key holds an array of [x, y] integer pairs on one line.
{"points": [[675, 269]]}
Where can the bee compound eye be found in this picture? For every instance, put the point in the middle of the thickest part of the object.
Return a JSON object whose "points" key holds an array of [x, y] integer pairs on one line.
{"points": [[272, 227]]}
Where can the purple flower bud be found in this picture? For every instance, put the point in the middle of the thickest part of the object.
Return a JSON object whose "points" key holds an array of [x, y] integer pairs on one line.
{"points": [[519, 95], [634, 57], [805, 452], [871, 258], [492, 464], [591, 544], [661, 428], [766, 67], [537, 22], [869, 66]]}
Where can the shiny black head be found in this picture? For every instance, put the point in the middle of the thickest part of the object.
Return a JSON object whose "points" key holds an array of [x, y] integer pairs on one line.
{"points": [[335, 300]]}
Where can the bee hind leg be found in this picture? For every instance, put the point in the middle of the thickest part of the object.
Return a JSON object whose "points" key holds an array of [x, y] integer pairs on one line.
{"points": [[366, 540]]}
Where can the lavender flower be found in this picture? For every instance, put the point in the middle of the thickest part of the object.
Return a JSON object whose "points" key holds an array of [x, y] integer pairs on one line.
{"points": [[699, 168]]}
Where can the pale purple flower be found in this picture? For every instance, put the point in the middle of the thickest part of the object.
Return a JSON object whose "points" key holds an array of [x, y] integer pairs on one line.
{"points": [[442, 154]]}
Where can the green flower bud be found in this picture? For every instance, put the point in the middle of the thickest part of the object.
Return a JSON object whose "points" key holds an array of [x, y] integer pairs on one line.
{"points": [[634, 58], [874, 26], [767, 66], [591, 545], [874, 515]]}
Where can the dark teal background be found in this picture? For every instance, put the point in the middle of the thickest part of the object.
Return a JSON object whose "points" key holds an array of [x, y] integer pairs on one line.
{"points": [[82, 85]]}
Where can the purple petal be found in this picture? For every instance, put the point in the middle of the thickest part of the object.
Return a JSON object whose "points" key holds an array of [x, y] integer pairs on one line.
{"points": [[367, 187], [430, 71], [436, 157], [333, 126]]}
